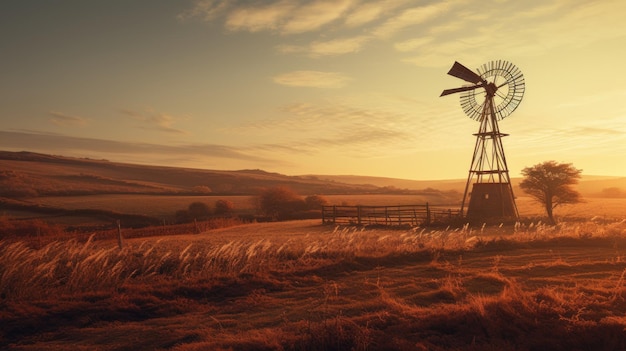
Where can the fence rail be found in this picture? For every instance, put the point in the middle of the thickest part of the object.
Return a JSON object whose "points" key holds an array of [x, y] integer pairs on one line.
{"points": [[387, 215]]}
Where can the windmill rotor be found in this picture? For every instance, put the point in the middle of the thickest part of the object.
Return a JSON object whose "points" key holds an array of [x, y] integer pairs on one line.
{"points": [[501, 81]]}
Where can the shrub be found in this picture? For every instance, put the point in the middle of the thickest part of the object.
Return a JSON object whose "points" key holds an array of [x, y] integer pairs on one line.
{"points": [[280, 203], [315, 202], [224, 207], [196, 211], [199, 210]]}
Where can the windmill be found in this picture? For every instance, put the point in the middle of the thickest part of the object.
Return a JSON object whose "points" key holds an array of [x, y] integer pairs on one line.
{"points": [[495, 92]]}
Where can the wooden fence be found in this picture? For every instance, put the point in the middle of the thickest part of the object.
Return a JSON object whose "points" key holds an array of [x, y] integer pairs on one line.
{"points": [[387, 215]]}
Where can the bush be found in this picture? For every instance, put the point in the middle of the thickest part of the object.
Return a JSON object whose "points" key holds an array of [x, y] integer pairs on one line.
{"points": [[280, 203], [199, 210], [315, 202], [223, 208], [196, 211]]}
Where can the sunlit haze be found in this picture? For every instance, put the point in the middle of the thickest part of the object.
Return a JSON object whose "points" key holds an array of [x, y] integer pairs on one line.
{"points": [[309, 87]]}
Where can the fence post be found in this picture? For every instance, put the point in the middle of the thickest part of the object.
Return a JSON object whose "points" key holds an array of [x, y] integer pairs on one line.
{"points": [[399, 215], [334, 214], [120, 241], [323, 212], [427, 214], [358, 214], [387, 219]]}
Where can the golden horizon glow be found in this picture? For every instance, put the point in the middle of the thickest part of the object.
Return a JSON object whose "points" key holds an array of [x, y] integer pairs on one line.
{"points": [[310, 87]]}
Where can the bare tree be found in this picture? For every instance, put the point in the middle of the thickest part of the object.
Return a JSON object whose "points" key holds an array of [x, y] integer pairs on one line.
{"points": [[550, 183]]}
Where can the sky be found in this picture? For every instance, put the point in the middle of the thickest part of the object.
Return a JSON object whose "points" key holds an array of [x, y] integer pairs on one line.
{"points": [[300, 87]]}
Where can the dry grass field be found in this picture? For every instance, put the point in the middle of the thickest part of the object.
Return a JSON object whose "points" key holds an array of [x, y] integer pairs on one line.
{"points": [[304, 286], [296, 285]]}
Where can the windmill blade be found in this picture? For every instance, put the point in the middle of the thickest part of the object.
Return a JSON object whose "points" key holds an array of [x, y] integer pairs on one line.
{"points": [[459, 90], [462, 72]]}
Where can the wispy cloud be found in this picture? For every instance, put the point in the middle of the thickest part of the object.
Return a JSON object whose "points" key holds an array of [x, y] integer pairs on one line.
{"points": [[314, 15], [413, 44], [70, 145], [289, 18], [501, 28], [359, 130], [411, 17], [570, 24], [333, 47], [366, 13], [338, 46], [206, 9], [312, 79], [283, 16], [596, 132], [572, 140], [152, 120], [259, 18], [64, 120]]}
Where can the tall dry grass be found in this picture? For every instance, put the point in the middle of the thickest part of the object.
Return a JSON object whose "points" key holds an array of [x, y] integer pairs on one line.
{"points": [[344, 288], [70, 266]]}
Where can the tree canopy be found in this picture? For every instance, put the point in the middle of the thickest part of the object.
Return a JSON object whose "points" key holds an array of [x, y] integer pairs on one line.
{"points": [[550, 183], [279, 203]]}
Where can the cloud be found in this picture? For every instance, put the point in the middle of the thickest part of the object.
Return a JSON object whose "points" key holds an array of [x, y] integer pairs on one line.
{"points": [[457, 27], [153, 120], [410, 17], [69, 145], [207, 9], [63, 120], [519, 29], [364, 14], [292, 49], [593, 132], [284, 16], [359, 140], [314, 15], [413, 44], [578, 140], [338, 46], [333, 47], [255, 19], [312, 79], [364, 129], [368, 139]]}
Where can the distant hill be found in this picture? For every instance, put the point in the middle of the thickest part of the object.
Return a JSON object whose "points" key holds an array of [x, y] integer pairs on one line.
{"points": [[589, 185], [28, 174], [32, 174], [451, 184]]}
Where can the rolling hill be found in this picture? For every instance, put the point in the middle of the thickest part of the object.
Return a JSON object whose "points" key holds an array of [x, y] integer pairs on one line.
{"points": [[28, 175], [589, 185]]}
